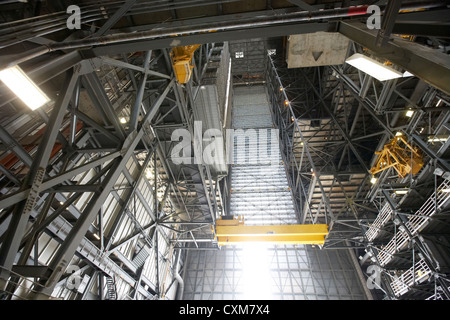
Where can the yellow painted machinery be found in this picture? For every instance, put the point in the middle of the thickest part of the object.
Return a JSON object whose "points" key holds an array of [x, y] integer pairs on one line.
{"points": [[231, 231], [182, 62], [400, 155]]}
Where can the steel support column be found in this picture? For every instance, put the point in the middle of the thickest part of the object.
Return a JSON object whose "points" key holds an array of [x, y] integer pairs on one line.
{"points": [[34, 180]]}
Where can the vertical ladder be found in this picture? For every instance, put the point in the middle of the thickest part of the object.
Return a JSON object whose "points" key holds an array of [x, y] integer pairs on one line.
{"points": [[111, 292]]}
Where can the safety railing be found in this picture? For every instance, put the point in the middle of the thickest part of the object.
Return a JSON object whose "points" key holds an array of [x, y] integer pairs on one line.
{"points": [[384, 216], [24, 288], [414, 275], [439, 294], [415, 222]]}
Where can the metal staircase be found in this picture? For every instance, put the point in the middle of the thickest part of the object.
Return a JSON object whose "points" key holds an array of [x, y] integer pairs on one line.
{"points": [[420, 271], [383, 217], [415, 223]]}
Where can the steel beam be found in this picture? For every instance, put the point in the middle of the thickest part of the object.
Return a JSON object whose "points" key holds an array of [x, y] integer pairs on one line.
{"points": [[105, 104], [231, 232], [302, 5], [426, 63], [423, 146], [343, 132], [15, 147], [120, 215], [115, 18], [77, 233], [140, 93], [33, 181], [20, 195]]}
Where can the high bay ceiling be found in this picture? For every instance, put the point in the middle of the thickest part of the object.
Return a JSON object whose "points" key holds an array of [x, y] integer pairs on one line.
{"points": [[96, 163]]}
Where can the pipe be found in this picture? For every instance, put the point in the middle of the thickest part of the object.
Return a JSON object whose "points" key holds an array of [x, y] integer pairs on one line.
{"points": [[180, 289], [158, 33]]}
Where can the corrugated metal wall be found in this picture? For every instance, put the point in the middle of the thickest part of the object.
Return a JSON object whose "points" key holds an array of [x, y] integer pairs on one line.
{"points": [[282, 273]]}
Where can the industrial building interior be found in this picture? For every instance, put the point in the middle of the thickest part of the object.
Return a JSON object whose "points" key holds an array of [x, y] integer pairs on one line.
{"points": [[225, 150]]}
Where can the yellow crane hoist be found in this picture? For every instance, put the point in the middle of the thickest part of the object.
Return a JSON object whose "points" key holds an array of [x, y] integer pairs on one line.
{"points": [[400, 155], [182, 62], [230, 231]]}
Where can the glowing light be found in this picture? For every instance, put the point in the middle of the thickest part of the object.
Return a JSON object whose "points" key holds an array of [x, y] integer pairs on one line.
{"points": [[373, 68], [24, 88], [256, 272]]}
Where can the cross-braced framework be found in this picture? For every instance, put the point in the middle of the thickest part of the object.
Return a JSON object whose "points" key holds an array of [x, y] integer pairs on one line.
{"points": [[93, 208], [100, 193], [332, 120]]}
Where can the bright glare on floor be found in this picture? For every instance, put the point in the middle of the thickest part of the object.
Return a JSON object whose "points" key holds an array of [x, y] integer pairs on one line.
{"points": [[256, 271]]}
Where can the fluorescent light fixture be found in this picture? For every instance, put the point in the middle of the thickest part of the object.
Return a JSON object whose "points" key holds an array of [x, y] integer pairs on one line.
{"points": [[409, 113], [373, 180], [373, 68], [96, 236], [407, 74], [437, 139], [447, 190], [398, 133], [24, 88], [401, 191], [438, 103]]}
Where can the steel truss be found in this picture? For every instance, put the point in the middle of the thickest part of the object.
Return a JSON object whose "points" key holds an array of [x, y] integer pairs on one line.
{"points": [[327, 116], [94, 192], [81, 188]]}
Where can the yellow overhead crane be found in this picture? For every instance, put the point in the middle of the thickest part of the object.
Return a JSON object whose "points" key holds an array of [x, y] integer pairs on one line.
{"points": [[231, 231], [182, 62], [400, 155]]}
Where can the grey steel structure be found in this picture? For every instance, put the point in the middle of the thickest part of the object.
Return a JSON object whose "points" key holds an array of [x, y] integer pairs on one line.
{"points": [[92, 205], [261, 194]]}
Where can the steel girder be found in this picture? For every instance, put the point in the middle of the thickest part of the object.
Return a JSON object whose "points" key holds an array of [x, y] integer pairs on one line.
{"points": [[428, 64], [387, 105], [128, 146]]}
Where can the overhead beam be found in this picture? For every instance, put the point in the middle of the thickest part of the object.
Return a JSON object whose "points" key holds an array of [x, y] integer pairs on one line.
{"points": [[428, 64], [230, 232], [302, 5], [115, 18]]}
